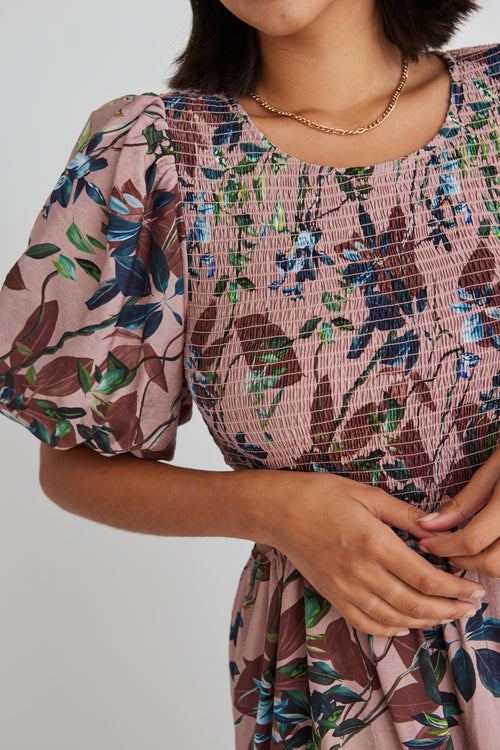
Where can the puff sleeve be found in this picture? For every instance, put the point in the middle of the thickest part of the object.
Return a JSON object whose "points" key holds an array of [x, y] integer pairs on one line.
{"points": [[92, 314]]}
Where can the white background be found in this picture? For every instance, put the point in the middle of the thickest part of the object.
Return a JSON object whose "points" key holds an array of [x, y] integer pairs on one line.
{"points": [[108, 640]]}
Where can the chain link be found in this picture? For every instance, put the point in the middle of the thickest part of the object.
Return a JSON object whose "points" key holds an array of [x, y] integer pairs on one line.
{"points": [[340, 131]]}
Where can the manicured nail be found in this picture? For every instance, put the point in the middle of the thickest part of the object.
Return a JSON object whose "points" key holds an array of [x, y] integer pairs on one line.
{"points": [[478, 594], [402, 632], [470, 612], [429, 517]]}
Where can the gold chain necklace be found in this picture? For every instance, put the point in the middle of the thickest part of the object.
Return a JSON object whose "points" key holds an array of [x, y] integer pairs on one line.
{"points": [[341, 131]]}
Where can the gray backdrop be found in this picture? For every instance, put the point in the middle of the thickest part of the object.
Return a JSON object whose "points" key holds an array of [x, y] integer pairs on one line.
{"points": [[108, 640]]}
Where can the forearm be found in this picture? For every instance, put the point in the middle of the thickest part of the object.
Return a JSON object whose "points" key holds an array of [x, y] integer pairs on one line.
{"points": [[151, 497]]}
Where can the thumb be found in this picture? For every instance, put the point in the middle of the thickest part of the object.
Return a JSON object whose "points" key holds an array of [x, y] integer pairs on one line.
{"points": [[458, 510], [401, 515], [469, 500]]}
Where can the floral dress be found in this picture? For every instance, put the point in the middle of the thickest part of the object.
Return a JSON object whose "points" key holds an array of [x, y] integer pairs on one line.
{"points": [[322, 319]]}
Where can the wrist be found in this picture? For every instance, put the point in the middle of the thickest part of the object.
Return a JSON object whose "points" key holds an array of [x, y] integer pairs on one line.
{"points": [[278, 504], [265, 500]]}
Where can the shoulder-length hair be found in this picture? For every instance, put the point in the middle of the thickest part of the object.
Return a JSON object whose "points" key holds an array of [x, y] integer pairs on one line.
{"points": [[222, 54]]}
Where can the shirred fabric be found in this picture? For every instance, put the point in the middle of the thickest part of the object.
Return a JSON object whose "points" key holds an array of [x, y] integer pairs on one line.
{"points": [[338, 320]]}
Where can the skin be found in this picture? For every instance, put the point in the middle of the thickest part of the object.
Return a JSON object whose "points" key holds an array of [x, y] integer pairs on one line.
{"points": [[475, 546], [336, 531], [328, 60]]}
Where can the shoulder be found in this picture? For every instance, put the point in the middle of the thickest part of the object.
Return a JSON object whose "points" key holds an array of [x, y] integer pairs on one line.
{"points": [[477, 64], [170, 107], [171, 121]]}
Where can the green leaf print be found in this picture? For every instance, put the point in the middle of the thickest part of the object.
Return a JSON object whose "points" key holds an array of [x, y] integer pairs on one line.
{"points": [[425, 744], [322, 673], [278, 218], [110, 381], [153, 137], [231, 193], [278, 162], [439, 666], [354, 183], [245, 283], [245, 166], [260, 187], [315, 608], [23, 349], [85, 135], [326, 333], [308, 328], [42, 251], [212, 174], [332, 304], [62, 428], [349, 726], [344, 695], [232, 292], [252, 151], [428, 676], [237, 260], [343, 324], [84, 378], [245, 222], [31, 375], [220, 287], [91, 268], [397, 471], [65, 267], [77, 238]]}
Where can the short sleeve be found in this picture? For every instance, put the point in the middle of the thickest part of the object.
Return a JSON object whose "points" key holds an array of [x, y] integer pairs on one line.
{"points": [[92, 332]]}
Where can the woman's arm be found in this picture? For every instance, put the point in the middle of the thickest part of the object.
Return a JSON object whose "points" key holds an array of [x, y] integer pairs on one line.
{"points": [[334, 530], [151, 497]]}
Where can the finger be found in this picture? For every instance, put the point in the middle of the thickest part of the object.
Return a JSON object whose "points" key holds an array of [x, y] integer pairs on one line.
{"points": [[468, 501], [487, 562], [476, 536], [395, 512], [388, 601], [420, 574], [364, 623]]}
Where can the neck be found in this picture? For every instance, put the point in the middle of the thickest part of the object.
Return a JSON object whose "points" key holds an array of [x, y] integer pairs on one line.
{"points": [[337, 64]]}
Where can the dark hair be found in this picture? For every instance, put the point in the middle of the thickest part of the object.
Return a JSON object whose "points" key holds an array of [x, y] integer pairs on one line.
{"points": [[222, 54]]}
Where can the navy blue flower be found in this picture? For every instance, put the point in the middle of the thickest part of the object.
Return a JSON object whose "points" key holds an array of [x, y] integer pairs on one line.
{"points": [[303, 261], [467, 362]]}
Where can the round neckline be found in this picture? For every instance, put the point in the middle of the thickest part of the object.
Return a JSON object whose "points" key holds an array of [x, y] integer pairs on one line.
{"points": [[257, 135]]}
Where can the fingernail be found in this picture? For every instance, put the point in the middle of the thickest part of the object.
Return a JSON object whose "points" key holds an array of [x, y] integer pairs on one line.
{"points": [[429, 517], [402, 632], [470, 612], [478, 594], [445, 622]]}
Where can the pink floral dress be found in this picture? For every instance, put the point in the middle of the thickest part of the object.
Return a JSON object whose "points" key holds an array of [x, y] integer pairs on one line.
{"points": [[322, 319]]}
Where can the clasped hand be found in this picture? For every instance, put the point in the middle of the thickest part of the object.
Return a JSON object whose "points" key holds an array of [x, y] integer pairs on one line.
{"points": [[476, 509], [340, 536]]}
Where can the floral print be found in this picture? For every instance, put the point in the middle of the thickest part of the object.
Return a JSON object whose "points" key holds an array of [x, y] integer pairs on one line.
{"points": [[322, 319]]}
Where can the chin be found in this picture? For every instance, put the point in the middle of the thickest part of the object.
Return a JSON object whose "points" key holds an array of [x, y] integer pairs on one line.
{"points": [[278, 18]]}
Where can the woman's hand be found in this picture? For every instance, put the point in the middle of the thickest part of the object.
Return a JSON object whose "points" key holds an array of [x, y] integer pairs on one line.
{"points": [[476, 546], [338, 535]]}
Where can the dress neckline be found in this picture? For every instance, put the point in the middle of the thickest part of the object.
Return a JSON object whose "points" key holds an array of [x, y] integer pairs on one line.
{"points": [[450, 121]]}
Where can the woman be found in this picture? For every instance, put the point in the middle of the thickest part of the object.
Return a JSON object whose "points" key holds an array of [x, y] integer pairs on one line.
{"points": [[330, 301]]}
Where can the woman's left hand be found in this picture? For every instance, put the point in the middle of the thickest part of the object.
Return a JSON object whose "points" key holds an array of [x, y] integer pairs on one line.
{"points": [[476, 546]]}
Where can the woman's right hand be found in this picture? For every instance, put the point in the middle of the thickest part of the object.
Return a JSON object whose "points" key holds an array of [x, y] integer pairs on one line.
{"points": [[338, 535]]}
